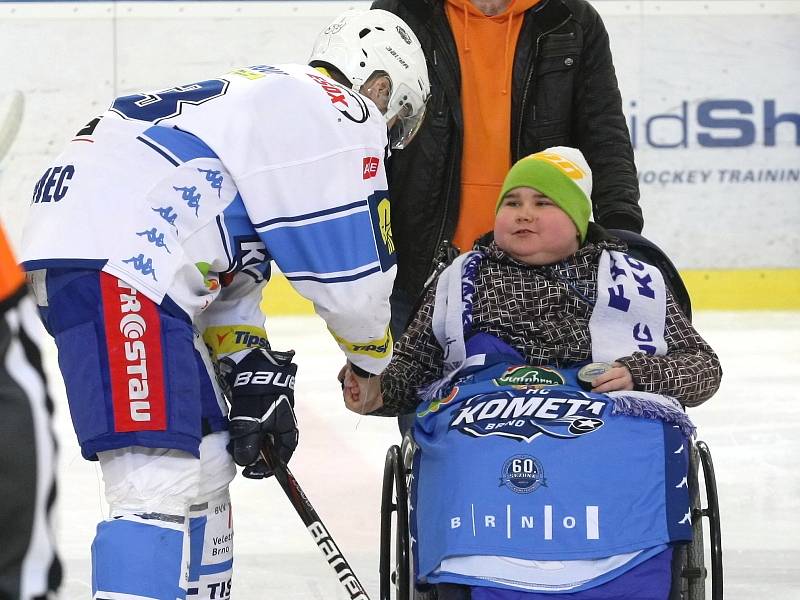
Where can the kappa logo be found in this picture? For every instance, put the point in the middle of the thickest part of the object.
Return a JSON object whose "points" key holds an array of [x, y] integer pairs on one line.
{"points": [[529, 413], [346, 101], [370, 168]]}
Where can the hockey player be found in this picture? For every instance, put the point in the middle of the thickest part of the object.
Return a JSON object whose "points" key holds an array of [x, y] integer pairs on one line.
{"points": [[29, 565], [149, 241]]}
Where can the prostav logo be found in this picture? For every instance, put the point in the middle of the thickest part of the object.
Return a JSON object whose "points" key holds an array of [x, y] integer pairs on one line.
{"points": [[133, 338]]}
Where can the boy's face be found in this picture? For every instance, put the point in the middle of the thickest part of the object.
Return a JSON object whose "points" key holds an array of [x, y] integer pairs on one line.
{"points": [[533, 229]]}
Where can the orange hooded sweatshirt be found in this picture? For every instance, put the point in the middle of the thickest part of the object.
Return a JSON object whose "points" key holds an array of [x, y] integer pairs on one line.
{"points": [[11, 276], [486, 48]]}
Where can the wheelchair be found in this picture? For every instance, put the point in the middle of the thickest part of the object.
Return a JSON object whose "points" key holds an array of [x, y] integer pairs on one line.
{"points": [[689, 569]]}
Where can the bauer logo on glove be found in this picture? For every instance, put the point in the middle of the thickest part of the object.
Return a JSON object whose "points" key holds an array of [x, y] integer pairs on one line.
{"points": [[262, 406], [263, 378]]}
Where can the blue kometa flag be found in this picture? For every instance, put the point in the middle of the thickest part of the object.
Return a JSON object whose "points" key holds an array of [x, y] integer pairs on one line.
{"points": [[511, 465]]}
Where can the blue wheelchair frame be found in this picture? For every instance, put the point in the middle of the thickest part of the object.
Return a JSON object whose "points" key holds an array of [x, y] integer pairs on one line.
{"points": [[689, 571]]}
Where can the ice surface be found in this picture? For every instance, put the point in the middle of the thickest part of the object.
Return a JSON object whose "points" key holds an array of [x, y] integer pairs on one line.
{"points": [[751, 426]]}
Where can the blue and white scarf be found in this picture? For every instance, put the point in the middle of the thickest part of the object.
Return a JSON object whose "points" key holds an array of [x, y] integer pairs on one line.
{"points": [[629, 316]]}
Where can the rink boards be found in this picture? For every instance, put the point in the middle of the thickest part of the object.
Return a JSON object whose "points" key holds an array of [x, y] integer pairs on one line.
{"points": [[709, 93]]}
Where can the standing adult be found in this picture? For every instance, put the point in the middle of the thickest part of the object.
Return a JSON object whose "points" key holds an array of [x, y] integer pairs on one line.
{"points": [[508, 78], [29, 565], [149, 241]]}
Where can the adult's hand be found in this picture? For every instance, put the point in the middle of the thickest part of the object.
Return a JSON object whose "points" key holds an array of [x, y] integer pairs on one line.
{"points": [[361, 394]]}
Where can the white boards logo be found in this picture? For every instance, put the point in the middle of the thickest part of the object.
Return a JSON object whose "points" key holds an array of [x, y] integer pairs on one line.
{"points": [[714, 123]]}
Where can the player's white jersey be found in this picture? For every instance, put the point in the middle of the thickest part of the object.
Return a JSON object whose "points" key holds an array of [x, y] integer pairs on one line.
{"points": [[180, 191]]}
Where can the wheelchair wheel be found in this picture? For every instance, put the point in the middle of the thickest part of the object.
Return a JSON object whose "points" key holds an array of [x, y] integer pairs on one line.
{"points": [[394, 518], [712, 513], [396, 570], [688, 563], [689, 568]]}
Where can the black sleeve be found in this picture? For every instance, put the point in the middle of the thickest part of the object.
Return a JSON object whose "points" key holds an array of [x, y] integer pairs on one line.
{"points": [[416, 362], [601, 132]]}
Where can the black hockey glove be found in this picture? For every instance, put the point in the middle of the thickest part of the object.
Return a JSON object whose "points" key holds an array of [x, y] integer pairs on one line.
{"points": [[262, 404]]}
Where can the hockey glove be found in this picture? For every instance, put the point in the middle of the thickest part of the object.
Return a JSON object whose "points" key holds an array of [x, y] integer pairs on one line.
{"points": [[261, 387]]}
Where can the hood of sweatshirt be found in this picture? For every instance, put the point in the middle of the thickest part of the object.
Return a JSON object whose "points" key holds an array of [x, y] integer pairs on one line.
{"points": [[486, 46]]}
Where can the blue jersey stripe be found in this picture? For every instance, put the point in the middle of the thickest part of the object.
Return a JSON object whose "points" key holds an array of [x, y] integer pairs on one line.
{"points": [[182, 144], [312, 215], [91, 264], [334, 246], [197, 528], [216, 568], [153, 146], [337, 279]]}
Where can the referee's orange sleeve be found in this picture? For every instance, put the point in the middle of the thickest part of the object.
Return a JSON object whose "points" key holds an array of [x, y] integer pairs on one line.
{"points": [[11, 276]]}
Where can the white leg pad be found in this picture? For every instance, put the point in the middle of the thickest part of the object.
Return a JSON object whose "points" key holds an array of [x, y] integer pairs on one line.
{"points": [[156, 496]]}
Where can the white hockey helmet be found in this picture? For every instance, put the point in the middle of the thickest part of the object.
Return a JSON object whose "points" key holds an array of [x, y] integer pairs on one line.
{"points": [[360, 43]]}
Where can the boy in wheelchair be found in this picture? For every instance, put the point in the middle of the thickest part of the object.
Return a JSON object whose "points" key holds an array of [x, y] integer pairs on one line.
{"points": [[549, 370]]}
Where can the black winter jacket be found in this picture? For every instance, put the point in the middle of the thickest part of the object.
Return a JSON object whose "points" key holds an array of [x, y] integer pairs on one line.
{"points": [[564, 93]]}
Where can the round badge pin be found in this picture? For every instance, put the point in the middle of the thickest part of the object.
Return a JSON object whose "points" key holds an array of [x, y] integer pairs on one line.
{"points": [[587, 373]]}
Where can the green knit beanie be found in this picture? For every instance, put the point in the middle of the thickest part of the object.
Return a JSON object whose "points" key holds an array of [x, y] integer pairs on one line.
{"points": [[560, 173]]}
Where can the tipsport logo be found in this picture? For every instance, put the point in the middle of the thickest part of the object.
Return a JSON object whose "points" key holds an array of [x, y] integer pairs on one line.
{"points": [[524, 415]]}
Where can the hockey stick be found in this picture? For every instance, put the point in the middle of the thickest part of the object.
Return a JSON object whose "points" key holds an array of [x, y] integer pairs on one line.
{"points": [[314, 524], [9, 127]]}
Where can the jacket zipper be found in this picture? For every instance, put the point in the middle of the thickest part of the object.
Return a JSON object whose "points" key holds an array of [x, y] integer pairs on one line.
{"points": [[448, 192], [528, 83]]}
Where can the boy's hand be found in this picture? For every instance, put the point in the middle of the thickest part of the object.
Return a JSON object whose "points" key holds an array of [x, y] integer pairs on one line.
{"points": [[361, 395], [616, 378]]}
